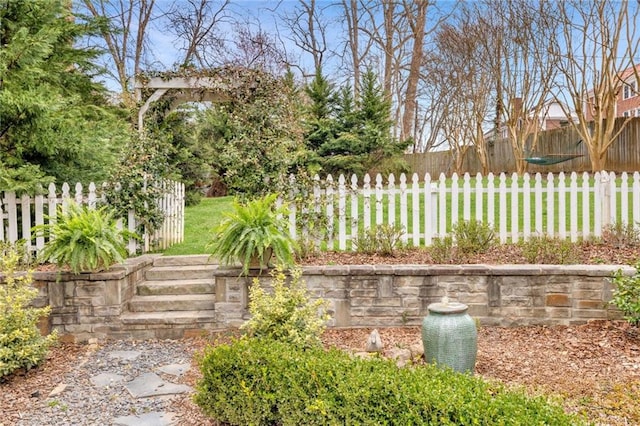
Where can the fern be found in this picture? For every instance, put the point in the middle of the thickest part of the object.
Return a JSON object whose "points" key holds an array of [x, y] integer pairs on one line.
{"points": [[250, 231], [84, 239]]}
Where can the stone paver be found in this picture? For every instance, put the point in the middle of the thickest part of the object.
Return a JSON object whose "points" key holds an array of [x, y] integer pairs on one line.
{"points": [[150, 384], [125, 355], [175, 369], [106, 379], [155, 418]]}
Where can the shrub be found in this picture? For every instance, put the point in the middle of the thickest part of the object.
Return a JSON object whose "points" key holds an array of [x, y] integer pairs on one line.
{"points": [[84, 239], [288, 313], [382, 239], [21, 344], [473, 237], [621, 235], [265, 382], [441, 249], [626, 295], [548, 250]]}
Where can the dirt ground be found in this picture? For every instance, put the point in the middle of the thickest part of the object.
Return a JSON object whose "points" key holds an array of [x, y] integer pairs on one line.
{"points": [[592, 368]]}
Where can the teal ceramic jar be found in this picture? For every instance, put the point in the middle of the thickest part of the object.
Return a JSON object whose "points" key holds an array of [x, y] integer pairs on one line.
{"points": [[450, 337]]}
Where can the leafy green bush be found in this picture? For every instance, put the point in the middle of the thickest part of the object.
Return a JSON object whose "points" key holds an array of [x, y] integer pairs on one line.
{"points": [[626, 295], [548, 250], [442, 250], [251, 230], [266, 382], [382, 239], [473, 237], [21, 344], [135, 182], [84, 239], [287, 313]]}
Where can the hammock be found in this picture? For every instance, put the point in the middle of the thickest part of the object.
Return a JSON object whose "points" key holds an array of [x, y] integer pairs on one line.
{"points": [[549, 159]]}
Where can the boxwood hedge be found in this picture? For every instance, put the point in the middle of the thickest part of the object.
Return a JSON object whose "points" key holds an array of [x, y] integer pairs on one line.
{"points": [[258, 381]]}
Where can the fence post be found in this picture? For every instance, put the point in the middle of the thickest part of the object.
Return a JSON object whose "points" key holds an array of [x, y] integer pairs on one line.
{"points": [[605, 199]]}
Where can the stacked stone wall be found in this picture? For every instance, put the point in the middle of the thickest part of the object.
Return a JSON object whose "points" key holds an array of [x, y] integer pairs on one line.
{"points": [[91, 305]]}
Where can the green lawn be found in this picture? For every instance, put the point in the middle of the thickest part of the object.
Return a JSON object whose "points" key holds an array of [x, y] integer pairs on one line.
{"points": [[201, 219], [198, 224]]}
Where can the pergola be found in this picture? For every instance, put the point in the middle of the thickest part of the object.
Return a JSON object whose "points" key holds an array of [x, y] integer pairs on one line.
{"points": [[183, 89]]}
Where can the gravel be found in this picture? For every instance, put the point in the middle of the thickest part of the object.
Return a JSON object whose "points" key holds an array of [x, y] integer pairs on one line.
{"points": [[82, 403]]}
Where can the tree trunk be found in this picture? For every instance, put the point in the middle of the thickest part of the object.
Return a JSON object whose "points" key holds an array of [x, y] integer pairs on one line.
{"points": [[417, 24], [389, 30], [351, 14]]}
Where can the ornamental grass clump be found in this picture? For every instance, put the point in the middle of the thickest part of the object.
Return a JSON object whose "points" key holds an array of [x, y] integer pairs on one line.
{"points": [[252, 231], [21, 344], [84, 239]]}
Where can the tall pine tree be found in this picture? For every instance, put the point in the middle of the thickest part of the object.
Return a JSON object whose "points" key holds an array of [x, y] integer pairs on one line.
{"points": [[356, 133], [54, 120]]}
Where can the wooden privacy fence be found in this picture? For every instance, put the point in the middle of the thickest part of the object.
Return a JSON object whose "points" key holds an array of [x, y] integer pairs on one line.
{"points": [[623, 155], [565, 206], [18, 214]]}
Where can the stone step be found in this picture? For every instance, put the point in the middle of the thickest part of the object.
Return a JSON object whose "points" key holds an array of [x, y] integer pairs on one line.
{"points": [[157, 288], [194, 259], [169, 317], [183, 302], [186, 272]]}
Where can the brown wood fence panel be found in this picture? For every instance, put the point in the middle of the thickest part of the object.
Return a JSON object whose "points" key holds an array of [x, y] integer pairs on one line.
{"points": [[623, 155]]}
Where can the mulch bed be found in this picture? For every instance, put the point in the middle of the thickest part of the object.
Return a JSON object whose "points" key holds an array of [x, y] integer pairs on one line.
{"points": [[593, 368]]}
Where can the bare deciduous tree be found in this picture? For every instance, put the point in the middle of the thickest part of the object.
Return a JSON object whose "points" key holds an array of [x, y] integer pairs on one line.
{"points": [[308, 31], [416, 13], [396, 34], [352, 18], [124, 32], [253, 47], [592, 57], [196, 23], [517, 34], [458, 72]]}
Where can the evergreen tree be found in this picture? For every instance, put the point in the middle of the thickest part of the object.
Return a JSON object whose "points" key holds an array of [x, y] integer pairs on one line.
{"points": [[54, 120], [319, 123], [357, 136]]}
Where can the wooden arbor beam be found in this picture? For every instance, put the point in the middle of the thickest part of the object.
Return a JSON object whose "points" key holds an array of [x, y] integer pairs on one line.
{"points": [[185, 89]]}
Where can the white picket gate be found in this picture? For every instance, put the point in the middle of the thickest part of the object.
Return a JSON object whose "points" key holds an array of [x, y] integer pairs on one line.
{"points": [[564, 206], [19, 214]]}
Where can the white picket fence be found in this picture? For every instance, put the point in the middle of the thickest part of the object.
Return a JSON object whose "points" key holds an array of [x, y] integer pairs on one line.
{"points": [[19, 214], [565, 206]]}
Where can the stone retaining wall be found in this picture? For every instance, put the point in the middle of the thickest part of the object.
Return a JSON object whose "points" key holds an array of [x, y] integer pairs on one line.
{"points": [[90, 305], [505, 295], [502, 295]]}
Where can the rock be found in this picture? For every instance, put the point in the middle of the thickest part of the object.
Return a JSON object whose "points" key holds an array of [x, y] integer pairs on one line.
{"points": [[374, 342], [400, 355], [150, 384], [149, 419], [417, 350], [106, 379], [58, 390], [124, 355]]}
